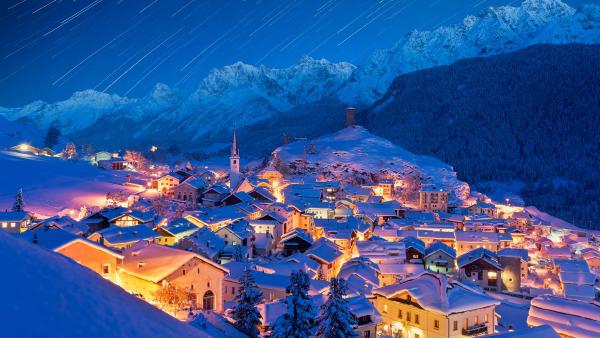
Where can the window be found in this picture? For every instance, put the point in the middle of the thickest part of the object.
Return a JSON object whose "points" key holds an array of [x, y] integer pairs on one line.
{"points": [[384, 308], [408, 316], [183, 272], [105, 269], [416, 319], [487, 318], [436, 324], [400, 314], [492, 275], [455, 325], [476, 320], [466, 323], [409, 298], [233, 290], [13, 224]]}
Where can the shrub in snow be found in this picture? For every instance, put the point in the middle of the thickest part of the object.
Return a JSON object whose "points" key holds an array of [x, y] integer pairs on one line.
{"points": [[296, 323], [245, 313]]}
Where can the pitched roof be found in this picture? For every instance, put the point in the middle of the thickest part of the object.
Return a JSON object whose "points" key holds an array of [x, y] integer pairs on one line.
{"points": [[514, 252], [296, 233], [477, 254], [438, 294], [121, 235], [14, 216], [439, 246], [324, 250], [56, 239], [569, 317], [155, 262]]}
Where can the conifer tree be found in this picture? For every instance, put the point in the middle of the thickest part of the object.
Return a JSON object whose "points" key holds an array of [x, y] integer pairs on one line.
{"points": [[335, 320], [245, 313], [19, 204], [297, 321]]}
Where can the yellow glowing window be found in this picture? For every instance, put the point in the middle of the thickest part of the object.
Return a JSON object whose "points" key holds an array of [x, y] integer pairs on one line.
{"points": [[492, 275]]}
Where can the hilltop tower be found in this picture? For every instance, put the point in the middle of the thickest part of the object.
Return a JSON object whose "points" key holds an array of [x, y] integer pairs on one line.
{"points": [[350, 117]]}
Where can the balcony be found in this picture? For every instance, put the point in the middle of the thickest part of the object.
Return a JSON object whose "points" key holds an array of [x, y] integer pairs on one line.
{"points": [[475, 330]]}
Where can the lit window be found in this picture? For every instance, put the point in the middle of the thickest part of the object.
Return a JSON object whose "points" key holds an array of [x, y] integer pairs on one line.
{"points": [[4, 224], [492, 275], [13, 224], [487, 318], [105, 269], [385, 308]]}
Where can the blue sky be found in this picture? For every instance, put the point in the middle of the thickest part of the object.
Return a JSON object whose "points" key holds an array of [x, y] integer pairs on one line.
{"points": [[49, 49]]}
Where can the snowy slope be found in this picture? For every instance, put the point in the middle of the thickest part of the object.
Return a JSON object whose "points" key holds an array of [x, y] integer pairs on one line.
{"points": [[52, 184], [12, 133], [52, 296], [497, 30], [354, 153]]}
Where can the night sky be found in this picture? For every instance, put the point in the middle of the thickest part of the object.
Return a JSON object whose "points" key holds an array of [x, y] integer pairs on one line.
{"points": [[49, 49]]}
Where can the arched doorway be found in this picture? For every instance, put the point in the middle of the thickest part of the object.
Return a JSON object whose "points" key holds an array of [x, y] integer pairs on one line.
{"points": [[208, 300]]}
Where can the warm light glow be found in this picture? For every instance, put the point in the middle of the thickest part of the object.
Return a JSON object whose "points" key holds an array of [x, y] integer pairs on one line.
{"points": [[153, 149], [492, 275], [23, 146]]}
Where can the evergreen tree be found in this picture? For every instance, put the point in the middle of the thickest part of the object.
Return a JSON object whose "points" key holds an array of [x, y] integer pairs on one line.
{"points": [[336, 321], [51, 137], [245, 313], [296, 323], [19, 204]]}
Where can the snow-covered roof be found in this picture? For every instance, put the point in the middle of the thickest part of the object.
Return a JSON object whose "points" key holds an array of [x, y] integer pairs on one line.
{"points": [[514, 252], [476, 237], [155, 262], [439, 246], [180, 226], [569, 317], [484, 205], [65, 223], [438, 294], [296, 233], [56, 239], [415, 243], [442, 235], [401, 269], [14, 216], [206, 241], [479, 254], [121, 235], [362, 267], [580, 291], [324, 250], [545, 331]]}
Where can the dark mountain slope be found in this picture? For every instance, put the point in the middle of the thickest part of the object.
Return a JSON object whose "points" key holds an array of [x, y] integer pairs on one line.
{"points": [[532, 115]]}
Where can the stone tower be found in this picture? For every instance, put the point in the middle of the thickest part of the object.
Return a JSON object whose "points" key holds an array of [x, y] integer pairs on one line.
{"points": [[350, 116]]}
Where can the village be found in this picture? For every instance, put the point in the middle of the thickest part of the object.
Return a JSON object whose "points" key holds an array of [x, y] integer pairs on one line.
{"points": [[386, 256]]}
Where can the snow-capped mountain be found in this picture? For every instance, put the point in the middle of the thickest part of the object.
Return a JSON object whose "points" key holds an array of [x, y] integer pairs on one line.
{"points": [[355, 155], [497, 30], [242, 95]]}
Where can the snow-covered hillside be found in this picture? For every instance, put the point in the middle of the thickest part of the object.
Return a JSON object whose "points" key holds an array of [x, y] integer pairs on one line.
{"points": [[52, 184], [49, 295], [497, 30], [244, 95], [354, 154]]}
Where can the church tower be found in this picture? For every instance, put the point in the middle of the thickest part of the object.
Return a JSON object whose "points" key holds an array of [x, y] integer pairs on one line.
{"points": [[234, 162]]}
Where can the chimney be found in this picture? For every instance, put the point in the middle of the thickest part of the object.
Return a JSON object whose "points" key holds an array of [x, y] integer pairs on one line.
{"points": [[350, 116]]}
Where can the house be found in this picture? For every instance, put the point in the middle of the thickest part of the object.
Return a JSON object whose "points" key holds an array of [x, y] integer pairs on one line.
{"points": [[366, 315], [483, 208], [592, 257], [481, 267], [330, 190], [204, 242], [119, 216], [576, 280], [148, 267], [271, 223], [15, 221], [272, 285], [415, 249], [440, 258], [380, 251], [356, 193], [429, 237], [515, 265], [123, 237], [95, 257], [237, 197], [364, 270], [189, 190], [215, 218], [114, 163], [328, 255], [432, 305], [432, 199], [175, 231], [166, 183], [239, 232], [469, 240], [569, 317], [295, 241], [65, 223], [214, 195]]}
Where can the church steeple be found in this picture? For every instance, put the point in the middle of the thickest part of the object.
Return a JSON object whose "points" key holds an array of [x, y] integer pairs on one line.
{"points": [[234, 159]]}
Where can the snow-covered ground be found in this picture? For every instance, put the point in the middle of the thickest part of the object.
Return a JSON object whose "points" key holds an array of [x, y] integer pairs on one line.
{"points": [[53, 184], [49, 295], [354, 152]]}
